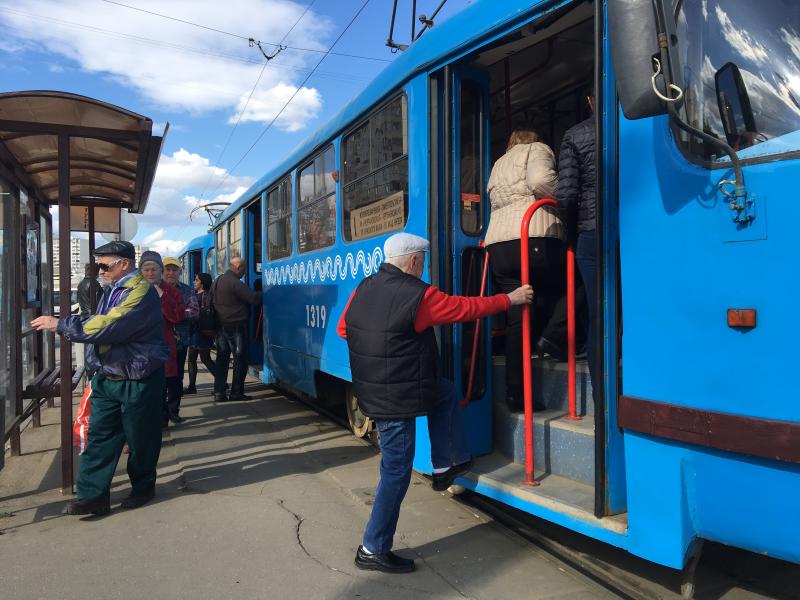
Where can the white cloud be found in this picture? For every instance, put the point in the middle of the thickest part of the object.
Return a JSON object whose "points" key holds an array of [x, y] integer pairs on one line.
{"points": [[185, 175], [175, 65], [265, 105], [740, 40], [165, 247]]}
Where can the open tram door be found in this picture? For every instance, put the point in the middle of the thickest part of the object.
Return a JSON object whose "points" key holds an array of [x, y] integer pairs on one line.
{"points": [[253, 254], [535, 77], [459, 213]]}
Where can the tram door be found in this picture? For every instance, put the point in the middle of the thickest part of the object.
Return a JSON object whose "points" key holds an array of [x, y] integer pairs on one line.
{"points": [[253, 220]]}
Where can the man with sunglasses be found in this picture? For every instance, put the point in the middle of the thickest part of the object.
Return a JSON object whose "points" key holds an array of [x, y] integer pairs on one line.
{"points": [[127, 355]]}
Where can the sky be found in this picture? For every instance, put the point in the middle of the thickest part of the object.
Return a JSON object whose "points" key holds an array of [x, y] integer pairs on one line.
{"points": [[205, 80]]}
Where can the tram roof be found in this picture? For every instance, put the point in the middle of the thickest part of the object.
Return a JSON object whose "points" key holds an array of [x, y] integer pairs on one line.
{"points": [[194, 244], [112, 152], [440, 43]]}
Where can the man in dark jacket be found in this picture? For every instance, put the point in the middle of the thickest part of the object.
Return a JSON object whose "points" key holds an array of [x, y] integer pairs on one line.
{"points": [[85, 288], [128, 357], [388, 324], [576, 196], [232, 299]]}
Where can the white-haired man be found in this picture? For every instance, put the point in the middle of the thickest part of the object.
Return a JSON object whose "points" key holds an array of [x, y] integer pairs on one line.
{"points": [[388, 324]]}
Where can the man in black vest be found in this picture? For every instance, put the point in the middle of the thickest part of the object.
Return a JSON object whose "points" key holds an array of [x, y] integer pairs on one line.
{"points": [[388, 324]]}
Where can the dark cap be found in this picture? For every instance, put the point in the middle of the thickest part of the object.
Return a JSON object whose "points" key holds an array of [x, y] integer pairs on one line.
{"points": [[151, 256], [121, 249]]}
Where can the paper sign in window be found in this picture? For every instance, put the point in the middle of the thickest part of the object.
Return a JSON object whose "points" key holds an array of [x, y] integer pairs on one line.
{"points": [[379, 217]]}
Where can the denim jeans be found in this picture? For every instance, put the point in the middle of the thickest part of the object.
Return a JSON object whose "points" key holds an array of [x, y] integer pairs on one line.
{"points": [[397, 437], [587, 264], [231, 339]]}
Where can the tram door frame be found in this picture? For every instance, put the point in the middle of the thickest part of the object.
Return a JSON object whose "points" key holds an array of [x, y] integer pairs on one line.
{"points": [[253, 221]]}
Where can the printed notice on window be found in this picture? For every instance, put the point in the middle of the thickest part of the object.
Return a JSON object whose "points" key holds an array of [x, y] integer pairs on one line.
{"points": [[379, 217]]}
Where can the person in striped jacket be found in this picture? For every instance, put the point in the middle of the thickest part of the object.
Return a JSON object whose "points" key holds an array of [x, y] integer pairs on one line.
{"points": [[126, 349]]}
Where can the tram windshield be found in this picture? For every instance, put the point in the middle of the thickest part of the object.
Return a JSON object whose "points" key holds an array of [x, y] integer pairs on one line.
{"points": [[741, 69]]}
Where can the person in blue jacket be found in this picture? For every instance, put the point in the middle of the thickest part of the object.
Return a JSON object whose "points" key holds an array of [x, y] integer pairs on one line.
{"points": [[127, 355]]}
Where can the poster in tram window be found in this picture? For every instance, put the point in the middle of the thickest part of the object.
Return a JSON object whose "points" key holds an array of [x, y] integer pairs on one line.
{"points": [[32, 263], [387, 214]]}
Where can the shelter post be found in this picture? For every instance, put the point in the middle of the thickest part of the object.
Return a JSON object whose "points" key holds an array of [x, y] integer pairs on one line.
{"points": [[65, 284]]}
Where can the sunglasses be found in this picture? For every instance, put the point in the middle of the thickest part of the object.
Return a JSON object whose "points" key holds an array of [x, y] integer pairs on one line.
{"points": [[107, 266]]}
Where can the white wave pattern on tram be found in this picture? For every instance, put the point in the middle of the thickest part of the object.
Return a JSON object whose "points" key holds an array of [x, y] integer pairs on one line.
{"points": [[330, 268]]}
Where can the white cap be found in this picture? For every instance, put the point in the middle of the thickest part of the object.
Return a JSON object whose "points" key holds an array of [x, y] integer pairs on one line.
{"points": [[401, 244]]}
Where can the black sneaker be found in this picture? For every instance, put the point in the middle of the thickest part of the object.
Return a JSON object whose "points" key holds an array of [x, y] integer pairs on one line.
{"points": [[190, 390], [239, 397], [442, 481], [136, 500], [220, 398], [388, 562], [177, 419], [89, 506]]}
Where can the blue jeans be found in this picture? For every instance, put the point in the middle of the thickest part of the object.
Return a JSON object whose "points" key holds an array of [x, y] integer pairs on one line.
{"points": [[587, 265], [397, 437]]}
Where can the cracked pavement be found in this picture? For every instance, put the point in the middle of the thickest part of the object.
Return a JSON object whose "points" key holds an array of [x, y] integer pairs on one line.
{"points": [[259, 499]]}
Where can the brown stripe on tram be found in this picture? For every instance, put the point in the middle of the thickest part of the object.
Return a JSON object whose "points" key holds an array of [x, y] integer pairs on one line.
{"points": [[765, 438]]}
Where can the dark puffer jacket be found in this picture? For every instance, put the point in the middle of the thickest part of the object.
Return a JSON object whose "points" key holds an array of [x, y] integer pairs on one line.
{"points": [[577, 179]]}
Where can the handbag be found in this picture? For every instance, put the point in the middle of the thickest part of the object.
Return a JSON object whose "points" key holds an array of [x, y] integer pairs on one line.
{"points": [[80, 429], [207, 322]]}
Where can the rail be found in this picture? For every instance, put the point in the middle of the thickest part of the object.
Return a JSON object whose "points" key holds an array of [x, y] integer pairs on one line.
{"points": [[477, 333], [526, 337]]}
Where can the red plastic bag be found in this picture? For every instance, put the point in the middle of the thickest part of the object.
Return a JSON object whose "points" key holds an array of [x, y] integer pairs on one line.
{"points": [[80, 429]]}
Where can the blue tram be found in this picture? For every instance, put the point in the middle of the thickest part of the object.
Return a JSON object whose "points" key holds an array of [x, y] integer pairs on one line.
{"points": [[198, 257], [693, 429]]}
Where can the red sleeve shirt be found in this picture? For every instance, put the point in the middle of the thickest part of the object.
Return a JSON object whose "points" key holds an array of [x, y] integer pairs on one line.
{"points": [[437, 308]]}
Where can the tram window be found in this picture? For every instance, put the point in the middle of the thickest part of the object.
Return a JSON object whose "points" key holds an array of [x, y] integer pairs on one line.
{"points": [[764, 46], [222, 248], [316, 203], [279, 220], [470, 166], [235, 236], [375, 186], [210, 262]]}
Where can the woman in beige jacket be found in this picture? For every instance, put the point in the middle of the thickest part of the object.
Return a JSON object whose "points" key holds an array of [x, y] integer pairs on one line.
{"points": [[524, 174]]}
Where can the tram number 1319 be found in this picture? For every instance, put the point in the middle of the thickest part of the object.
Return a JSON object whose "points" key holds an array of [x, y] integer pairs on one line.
{"points": [[316, 315]]}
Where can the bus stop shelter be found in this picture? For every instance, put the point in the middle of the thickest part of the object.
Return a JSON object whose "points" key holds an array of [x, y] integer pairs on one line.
{"points": [[65, 150]]}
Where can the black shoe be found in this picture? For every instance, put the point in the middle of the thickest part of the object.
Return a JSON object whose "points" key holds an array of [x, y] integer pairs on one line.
{"points": [[190, 390], [220, 398], [135, 501], [89, 506], [388, 562], [239, 397], [545, 346], [442, 481], [177, 419]]}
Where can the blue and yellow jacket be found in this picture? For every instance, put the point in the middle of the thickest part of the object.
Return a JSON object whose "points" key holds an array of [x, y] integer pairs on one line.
{"points": [[127, 331]]}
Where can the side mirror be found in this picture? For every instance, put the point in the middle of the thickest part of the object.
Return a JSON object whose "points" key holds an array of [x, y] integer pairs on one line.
{"points": [[734, 106], [633, 27]]}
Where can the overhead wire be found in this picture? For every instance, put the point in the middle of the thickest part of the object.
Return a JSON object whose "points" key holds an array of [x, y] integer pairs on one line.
{"points": [[297, 90], [237, 35], [247, 102]]}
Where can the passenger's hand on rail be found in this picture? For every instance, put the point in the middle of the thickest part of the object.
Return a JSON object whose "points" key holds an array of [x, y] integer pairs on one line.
{"points": [[521, 295], [46, 323]]}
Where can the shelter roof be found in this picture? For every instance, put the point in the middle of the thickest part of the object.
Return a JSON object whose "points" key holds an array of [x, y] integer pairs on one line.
{"points": [[113, 153]]}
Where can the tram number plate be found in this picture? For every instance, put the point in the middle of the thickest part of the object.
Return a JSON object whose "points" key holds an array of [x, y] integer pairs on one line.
{"points": [[316, 315]]}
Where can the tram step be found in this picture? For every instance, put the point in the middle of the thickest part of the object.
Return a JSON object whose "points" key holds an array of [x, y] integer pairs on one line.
{"points": [[550, 384], [560, 447]]}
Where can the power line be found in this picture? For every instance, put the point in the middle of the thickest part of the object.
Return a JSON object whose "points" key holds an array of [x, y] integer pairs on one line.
{"points": [[283, 108], [236, 35], [247, 102]]}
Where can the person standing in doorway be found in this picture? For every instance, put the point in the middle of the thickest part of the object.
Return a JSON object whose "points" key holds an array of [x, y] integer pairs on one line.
{"points": [[232, 299], [200, 343], [576, 194], [128, 357], [172, 310], [388, 324], [183, 329]]}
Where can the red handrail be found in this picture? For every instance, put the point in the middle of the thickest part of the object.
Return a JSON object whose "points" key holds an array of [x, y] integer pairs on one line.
{"points": [[477, 333], [526, 336]]}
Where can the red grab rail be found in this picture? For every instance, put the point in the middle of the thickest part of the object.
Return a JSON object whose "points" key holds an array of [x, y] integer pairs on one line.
{"points": [[526, 336]]}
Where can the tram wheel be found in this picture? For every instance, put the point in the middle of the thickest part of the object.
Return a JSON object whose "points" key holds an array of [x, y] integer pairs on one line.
{"points": [[360, 424]]}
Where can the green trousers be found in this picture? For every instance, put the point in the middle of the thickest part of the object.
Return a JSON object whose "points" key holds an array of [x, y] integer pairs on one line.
{"points": [[121, 411]]}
